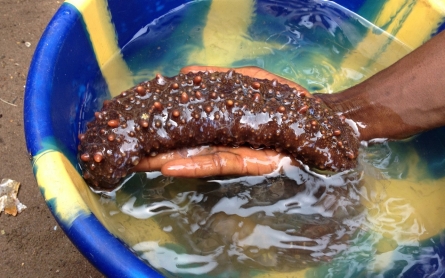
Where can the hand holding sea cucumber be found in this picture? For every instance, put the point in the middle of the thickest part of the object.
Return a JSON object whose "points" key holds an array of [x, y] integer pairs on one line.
{"points": [[220, 160], [233, 109], [220, 108], [402, 100]]}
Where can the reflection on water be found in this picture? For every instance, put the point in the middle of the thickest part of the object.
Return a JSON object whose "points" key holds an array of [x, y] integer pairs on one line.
{"points": [[364, 221], [265, 223], [385, 218]]}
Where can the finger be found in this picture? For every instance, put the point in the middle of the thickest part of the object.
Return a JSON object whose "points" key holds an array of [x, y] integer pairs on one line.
{"points": [[155, 163], [251, 71], [149, 164], [260, 73], [221, 164], [196, 69]]}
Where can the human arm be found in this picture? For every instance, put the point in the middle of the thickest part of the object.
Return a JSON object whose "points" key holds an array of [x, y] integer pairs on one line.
{"points": [[404, 99]]}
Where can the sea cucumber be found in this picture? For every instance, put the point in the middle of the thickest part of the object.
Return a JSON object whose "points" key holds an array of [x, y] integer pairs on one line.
{"points": [[219, 108]]}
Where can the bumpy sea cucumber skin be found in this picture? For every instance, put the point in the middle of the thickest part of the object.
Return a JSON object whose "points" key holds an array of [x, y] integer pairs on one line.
{"points": [[219, 108]]}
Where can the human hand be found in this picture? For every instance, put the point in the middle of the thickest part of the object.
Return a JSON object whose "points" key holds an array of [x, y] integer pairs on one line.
{"points": [[207, 161], [219, 160]]}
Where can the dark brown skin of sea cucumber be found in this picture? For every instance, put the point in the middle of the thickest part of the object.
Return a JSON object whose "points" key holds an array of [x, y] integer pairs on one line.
{"points": [[219, 108]]}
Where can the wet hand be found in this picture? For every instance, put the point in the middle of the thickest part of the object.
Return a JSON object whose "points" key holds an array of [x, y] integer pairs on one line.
{"points": [[214, 161]]}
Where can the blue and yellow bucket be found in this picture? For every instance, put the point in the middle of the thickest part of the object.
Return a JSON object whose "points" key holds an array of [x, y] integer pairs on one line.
{"points": [[83, 42]]}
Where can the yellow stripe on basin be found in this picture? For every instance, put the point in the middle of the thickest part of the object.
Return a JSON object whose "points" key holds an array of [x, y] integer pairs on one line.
{"points": [[411, 21], [99, 25], [66, 192], [61, 185], [225, 35], [401, 19]]}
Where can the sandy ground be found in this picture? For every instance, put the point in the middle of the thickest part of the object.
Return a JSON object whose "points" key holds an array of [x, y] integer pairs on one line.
{"points": [[31, 244]]}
